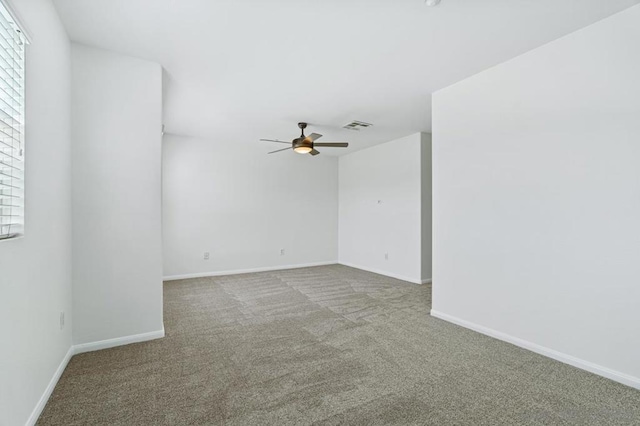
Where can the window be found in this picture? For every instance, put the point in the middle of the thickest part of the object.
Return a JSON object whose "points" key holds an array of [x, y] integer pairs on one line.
{"points": [[12, 64]]}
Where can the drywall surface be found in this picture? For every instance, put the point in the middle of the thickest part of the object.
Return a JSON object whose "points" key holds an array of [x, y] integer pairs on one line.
{"points": [[380, 208], [537, 197], [36, 270], [243, 206], [116, 157], [426, 206]]}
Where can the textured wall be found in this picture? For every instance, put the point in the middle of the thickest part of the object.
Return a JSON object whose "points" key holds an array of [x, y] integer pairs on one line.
{"points": [[537, 197], [117, 229], [243, 206]]}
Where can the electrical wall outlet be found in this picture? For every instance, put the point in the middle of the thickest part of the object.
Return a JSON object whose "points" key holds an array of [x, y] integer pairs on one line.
{"points": [[281, 252], [61, 320], [386, 256], [206, 255]]}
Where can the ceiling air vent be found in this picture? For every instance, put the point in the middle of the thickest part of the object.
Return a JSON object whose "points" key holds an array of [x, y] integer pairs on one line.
{"points": [[356, 125]]}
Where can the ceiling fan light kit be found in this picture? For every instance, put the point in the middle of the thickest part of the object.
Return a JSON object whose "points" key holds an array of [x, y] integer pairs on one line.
{"points": [[306, 144], [303, 149]]}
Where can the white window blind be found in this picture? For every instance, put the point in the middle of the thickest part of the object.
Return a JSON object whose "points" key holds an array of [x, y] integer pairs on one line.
{"points": [[12, 50]]}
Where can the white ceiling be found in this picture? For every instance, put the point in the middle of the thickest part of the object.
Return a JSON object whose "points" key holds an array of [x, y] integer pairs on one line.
{"points": [[239, 70]]}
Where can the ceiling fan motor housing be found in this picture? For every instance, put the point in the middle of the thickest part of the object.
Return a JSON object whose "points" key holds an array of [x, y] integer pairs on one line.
{"points": [[302, 141]]}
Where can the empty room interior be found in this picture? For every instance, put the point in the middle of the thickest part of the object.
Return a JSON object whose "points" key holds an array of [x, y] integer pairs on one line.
{"points": [[339, 212]]}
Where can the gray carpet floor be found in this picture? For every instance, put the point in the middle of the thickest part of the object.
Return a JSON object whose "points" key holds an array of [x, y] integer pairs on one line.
{"points": [[327, 345]]}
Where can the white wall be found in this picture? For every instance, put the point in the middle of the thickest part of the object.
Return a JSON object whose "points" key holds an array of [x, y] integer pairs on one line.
{"points": [[380, 208], [116, 156], [537, 199], [243, 206], [35, 277]]}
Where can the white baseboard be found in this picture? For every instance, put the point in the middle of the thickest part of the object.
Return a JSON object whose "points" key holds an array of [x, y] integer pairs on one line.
{"points": [[427, 281], [33, 418], [386, 274], [245, 271], [118, 341], [617, 376]]}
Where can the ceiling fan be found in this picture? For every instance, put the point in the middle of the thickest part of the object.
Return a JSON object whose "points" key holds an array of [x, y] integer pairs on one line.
{"points": [[306, 144]]}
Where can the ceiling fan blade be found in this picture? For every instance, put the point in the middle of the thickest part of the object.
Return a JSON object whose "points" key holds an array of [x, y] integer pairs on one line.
{"points": [[283, 149], [332, 144], [274, 140], [314, 136], [314, 152]]}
